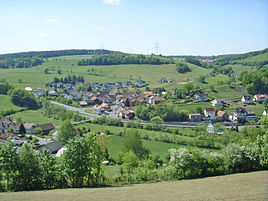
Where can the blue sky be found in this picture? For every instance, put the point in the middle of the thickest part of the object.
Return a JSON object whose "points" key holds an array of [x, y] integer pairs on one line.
{"points": [[180, 27]]}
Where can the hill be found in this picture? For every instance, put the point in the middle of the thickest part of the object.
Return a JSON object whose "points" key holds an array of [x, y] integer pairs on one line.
{"points": [[56, 53], [245, 186]]}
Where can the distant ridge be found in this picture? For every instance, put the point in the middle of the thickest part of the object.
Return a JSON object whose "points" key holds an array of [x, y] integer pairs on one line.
{"points": [[57, 53]]}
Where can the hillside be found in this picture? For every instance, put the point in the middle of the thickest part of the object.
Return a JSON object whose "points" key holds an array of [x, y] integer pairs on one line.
{"points": [[245, 186]]}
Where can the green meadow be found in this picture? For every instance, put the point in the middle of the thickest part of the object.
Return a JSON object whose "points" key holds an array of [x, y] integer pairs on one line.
{"points": [[6, 104]]}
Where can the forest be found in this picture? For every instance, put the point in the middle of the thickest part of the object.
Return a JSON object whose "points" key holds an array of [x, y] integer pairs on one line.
{"points": [[116, 59]]}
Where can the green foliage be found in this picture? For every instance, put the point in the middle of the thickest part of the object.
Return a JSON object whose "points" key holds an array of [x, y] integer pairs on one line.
{"points": [[4, 88], [183, 68], [108, 121], [130, 161], [25, 62], [132, 142], [23, 98], [193, 61], [255, 81], [260, 149], [66, 131], [156, 120], [164, 112], [22, 130], [37, 130], [81, 162], [115, 59]]}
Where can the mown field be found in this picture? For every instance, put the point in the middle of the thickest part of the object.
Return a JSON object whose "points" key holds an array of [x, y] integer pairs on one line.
{"points": [[35, 116], [6, 104], [243, 186]]}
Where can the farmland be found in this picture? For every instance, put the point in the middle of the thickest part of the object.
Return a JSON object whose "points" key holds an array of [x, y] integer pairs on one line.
{"points": [[229, 187], [6, 104]]}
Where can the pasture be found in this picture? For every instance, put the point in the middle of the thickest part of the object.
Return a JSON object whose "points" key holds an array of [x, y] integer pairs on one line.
{"points": [[243, 186], [6, 104]]}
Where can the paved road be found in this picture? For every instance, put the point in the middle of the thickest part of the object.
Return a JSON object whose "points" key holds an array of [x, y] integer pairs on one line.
{"points": [[82, 111], [185, 124]]}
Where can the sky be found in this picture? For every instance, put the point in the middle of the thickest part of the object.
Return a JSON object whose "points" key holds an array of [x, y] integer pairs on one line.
{"points": [[168, 27]]}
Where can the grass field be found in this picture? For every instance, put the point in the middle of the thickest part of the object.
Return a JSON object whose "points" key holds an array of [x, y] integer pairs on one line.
{"points": [[35, 116], [35, 76], [115, 144], [245, 186], [6, 104]]}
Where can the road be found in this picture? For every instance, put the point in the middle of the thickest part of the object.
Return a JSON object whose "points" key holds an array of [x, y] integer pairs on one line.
{"points": [[82, 111], [185, 124]]}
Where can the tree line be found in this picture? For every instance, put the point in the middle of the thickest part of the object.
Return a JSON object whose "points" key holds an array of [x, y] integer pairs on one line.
{"points": [[116, 59], [21, 62], [56, 53], [255, 81], [69, 79], [24, 169]]}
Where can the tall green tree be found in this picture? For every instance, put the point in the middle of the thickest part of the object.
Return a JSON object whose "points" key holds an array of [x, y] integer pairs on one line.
{"points": [[66, 131], [132, 142]]}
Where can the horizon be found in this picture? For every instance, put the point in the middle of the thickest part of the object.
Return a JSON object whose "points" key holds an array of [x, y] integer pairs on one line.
{"points": [[206, 28]]}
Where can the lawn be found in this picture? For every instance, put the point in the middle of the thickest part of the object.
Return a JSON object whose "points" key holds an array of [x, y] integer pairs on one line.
{"points": [[35, 116], [6, 104], [243, 186]]}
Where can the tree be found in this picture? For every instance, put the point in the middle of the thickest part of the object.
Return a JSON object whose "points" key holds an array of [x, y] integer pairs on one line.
{"points": [[130, 161], [82, 161], [66, 131], [22, 129], [23, 98], [132, 142], [48, 169], [127, 103], [46, 70], [4, 88]]}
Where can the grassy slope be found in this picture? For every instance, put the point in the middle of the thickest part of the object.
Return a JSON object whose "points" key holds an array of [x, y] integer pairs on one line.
{"points": [[156, 148], [35, 116], [35, 77], [6, 104], [246, 186], [261, 57]]}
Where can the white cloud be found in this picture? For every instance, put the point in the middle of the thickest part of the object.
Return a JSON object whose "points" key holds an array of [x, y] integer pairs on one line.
{"points": [[112, 2], [51, 20], [43, 34]]}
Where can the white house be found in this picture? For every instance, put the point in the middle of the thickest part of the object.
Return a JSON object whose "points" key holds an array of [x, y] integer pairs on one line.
{"points": [[201, 97], [246, 100], [260, 97], [265, 112], [218, 102], [209, 113]]}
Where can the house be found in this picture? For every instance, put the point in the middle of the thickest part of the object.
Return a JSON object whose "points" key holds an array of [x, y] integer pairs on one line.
{"points": [[260, 97], [157, 100], [6, 136], [244, 115], [209, 113], [251, 117], [223, 116], [39, 92], [83, 103], [171, 81], [29, 127], [52, 147], [140, 84], [201, 97], [46, 128], [246, 100], [195, 117], [128, 83], [98, 109], [6, 123], [265, 112], [211, 129], [106, 107], [52, 92], [218, 102], [163, 80], [128, 114]]}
